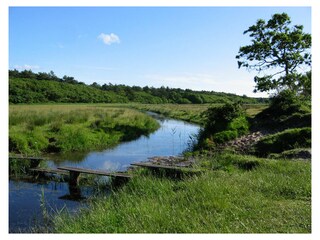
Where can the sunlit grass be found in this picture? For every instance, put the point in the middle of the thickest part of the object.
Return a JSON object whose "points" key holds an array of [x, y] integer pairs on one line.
{"points": [[273, 197], [191, 112], [35, 129], [38, 128]]}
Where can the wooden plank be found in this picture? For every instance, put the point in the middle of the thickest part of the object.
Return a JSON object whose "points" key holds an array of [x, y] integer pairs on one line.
{"points": [[156, 166], [48, 170], [96, 172]]}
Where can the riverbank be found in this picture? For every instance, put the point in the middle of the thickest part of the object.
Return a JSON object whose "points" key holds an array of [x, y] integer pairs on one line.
{"points": [[229, 197], [191, 112], [39, 129], [234, 194], [172, 138]]}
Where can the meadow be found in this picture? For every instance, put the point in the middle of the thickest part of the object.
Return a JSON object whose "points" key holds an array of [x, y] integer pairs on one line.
{"points": [[236, 193], [191, 112], [271, 197], [38, 129]]}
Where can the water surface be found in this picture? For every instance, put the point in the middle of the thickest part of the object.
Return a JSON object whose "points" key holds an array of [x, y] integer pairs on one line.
{"points": [[171, 139]]}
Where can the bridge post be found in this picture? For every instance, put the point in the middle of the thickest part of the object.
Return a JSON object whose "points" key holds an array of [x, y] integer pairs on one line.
{"points": [[74, 188], [74, 178], [34, 162]]}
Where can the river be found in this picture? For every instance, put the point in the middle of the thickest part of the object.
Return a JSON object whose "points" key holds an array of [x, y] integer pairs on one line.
{"points": [[26, 197]]}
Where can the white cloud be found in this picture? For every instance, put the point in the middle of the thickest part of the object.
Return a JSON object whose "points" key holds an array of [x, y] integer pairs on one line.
{"points": [[26, 67], [109, 38]]}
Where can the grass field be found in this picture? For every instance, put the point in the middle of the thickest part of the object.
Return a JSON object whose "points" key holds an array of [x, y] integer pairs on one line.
{"points": [[35, 129], [272, 197], [191, 112], [235, 194], [40, 128]]}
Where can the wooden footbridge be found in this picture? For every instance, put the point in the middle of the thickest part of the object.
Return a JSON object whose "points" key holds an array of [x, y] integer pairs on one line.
{"points": [[117, 177]]}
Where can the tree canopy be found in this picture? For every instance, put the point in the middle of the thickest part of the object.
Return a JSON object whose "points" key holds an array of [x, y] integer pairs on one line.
{"points": [[29, 87], [280, 53]]}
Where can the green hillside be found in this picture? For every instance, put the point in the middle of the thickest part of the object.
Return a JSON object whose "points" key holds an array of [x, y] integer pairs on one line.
{"points": [[29, 87]]}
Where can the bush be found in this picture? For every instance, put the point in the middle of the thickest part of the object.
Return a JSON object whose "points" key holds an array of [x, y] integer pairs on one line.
{"points": [[225, 136], [286, 140], [223, 123], [240, 125], [218, 118], [286, 111]]}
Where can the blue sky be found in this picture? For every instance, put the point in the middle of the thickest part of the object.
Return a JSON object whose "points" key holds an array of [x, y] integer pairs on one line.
{"points": [[185, 47]]}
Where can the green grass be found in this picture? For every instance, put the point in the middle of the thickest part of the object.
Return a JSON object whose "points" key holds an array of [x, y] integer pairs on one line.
{"points": [[283, 141], [272, 197], [186, 112], [37, 129], [191, 112], [254, 109]]}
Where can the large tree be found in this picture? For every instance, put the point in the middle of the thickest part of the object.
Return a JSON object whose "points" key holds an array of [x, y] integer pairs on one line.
{"points": [[280, 53]]}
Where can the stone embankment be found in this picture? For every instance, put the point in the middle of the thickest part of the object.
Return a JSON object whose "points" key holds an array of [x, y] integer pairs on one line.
{"points": [[244, 143]]}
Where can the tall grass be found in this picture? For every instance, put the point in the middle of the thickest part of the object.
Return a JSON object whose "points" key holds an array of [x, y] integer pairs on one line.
{"points": [[191, 112], [272, 197], [35, 129]]}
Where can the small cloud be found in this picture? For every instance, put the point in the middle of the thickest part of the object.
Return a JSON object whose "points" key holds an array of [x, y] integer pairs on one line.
{"points": [[26, 67], [109, 38]]}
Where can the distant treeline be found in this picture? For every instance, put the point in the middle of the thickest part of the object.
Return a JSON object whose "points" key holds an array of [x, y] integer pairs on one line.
{"points": [[29, 87]]}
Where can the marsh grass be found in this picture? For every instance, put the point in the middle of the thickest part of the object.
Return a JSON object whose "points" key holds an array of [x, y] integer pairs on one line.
{"points": [[37, 129], [186, 112], [191, 112], [272, 197]]}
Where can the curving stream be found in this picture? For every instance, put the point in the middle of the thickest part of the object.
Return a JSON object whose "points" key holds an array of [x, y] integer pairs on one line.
{"points": [[26, 197]]}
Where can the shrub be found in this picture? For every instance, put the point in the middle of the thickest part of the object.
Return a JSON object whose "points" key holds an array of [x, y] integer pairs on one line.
{"points": [[286, 110], [223, 123], [218, 118], [225, 136], [240, 125], [285, 140]]}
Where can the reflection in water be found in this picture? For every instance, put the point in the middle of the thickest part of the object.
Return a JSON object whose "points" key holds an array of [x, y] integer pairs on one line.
{"points": [[25, 197], [172, 138]]}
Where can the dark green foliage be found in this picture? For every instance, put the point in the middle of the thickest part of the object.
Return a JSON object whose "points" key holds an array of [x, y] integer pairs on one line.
{"points": [[29, 87], [282, 141], [224, 123], [218, 118], [225, 136], [286, 110], [297, 153], [44, 91]]}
